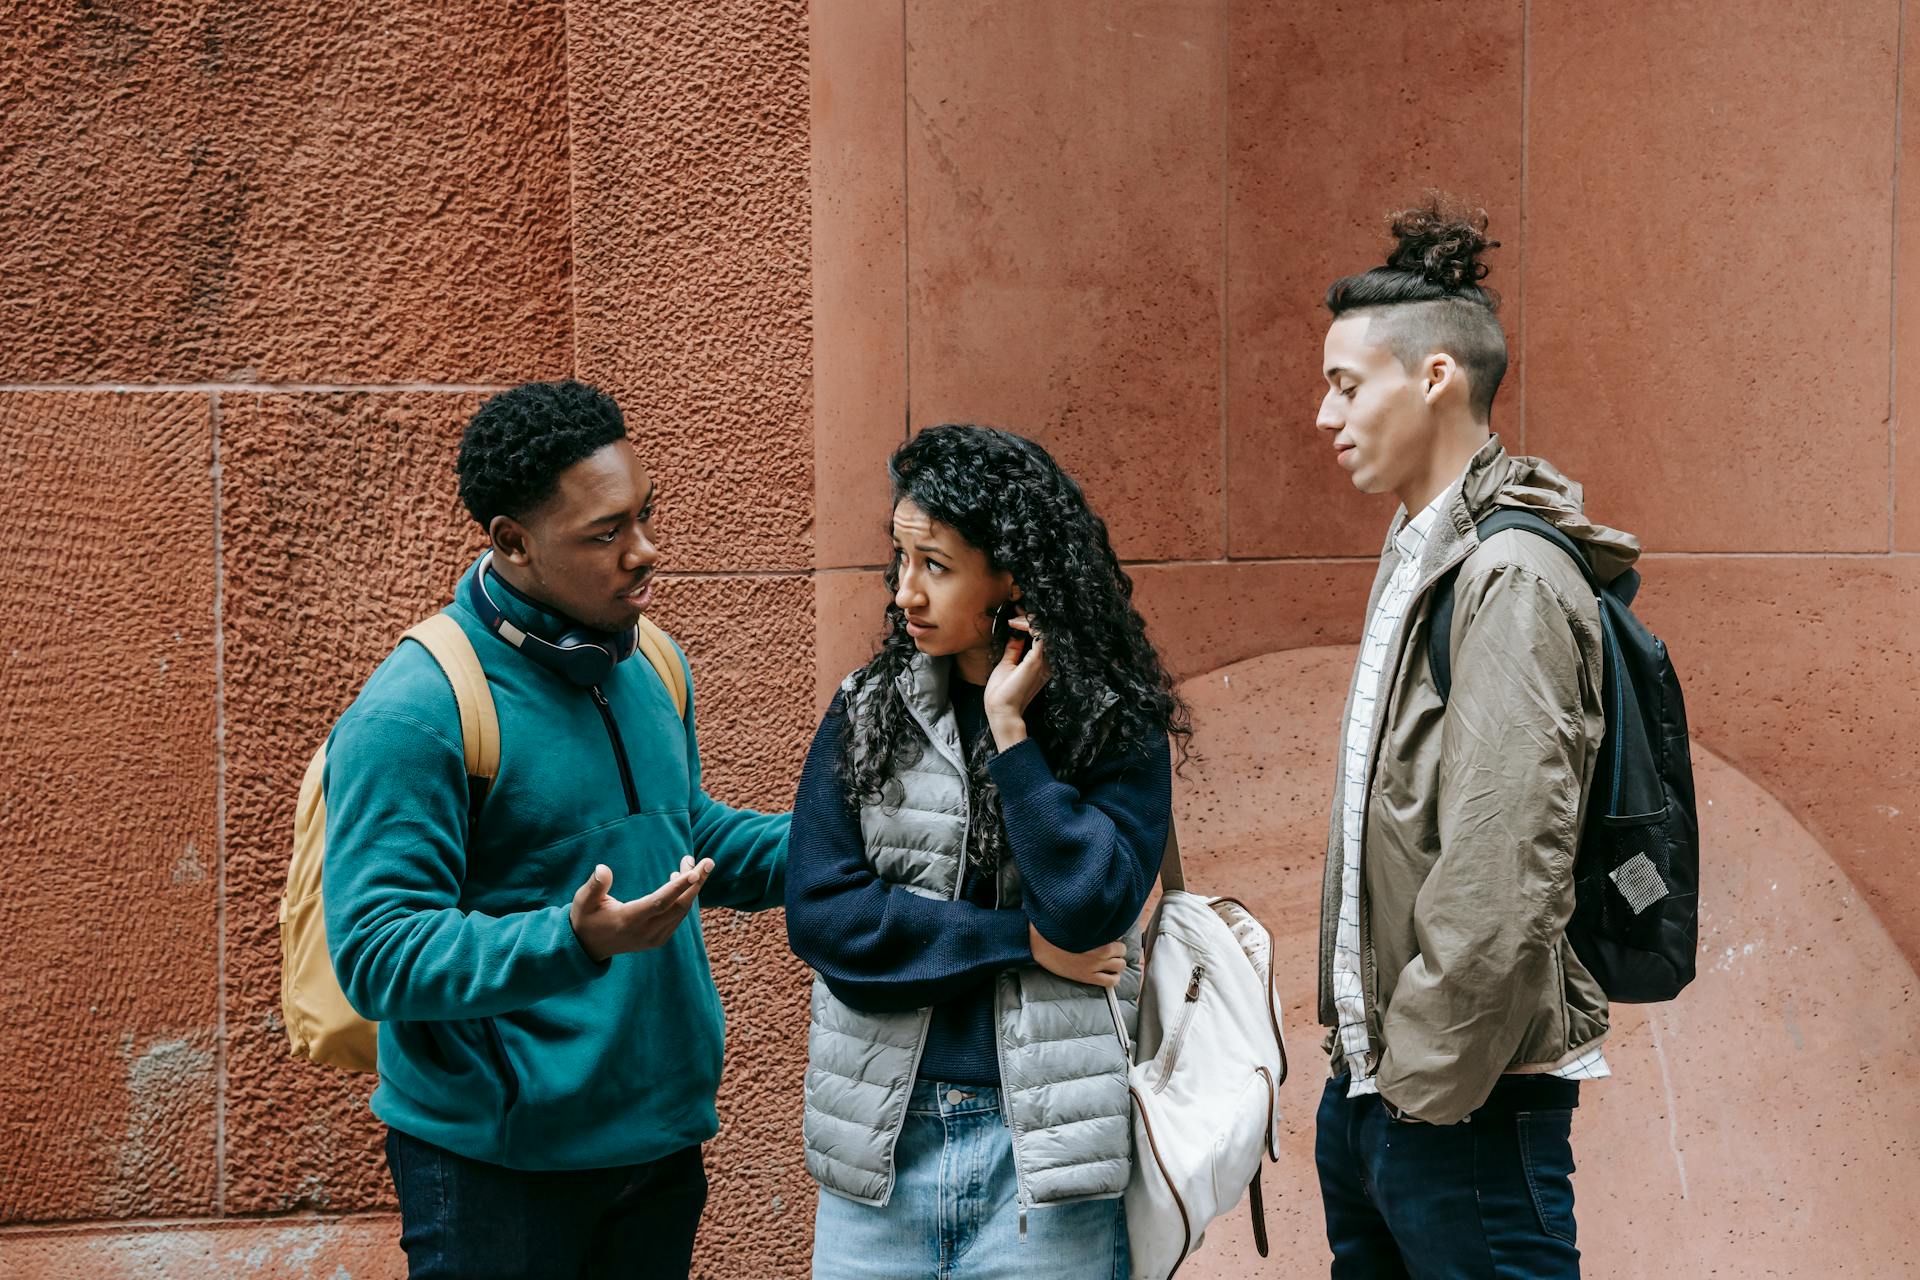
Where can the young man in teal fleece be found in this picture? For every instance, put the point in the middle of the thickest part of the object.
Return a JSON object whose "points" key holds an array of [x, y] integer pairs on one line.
{"points": [[549, 1053]]}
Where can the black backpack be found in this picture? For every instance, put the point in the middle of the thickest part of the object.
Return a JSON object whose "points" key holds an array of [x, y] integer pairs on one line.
{"points": [[1636, 876]]}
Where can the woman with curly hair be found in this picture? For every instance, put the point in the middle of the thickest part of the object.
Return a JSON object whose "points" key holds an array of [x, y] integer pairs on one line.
{"points": [[978, 825]]}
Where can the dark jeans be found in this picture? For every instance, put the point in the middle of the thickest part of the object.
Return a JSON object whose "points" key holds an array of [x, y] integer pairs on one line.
{"points": [[1489, 1197], [464, 1219]]}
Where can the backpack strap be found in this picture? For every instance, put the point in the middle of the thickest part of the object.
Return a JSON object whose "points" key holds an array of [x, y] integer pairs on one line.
{"points": [[1440, 617], [1173, 878], [1172, 874], [666, 663], [442, 637], [1257, 1206]]}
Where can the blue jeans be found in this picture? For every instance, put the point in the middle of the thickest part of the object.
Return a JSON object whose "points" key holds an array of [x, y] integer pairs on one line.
{"points": [[1489, 1197], [473, 1220], [954, 1214]]}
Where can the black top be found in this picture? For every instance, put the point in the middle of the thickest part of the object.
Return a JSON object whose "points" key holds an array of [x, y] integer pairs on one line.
{"points": [[1087, 855]]}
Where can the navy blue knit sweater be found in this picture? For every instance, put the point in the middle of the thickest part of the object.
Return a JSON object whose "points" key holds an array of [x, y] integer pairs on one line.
{"points": [[1088, 856]]}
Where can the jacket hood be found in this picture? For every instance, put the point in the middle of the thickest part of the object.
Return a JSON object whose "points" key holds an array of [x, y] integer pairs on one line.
{"points": [[1496, 478]]}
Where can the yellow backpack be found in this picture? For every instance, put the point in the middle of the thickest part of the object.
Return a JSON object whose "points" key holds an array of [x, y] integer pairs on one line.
{"points": [[321, 1025]]}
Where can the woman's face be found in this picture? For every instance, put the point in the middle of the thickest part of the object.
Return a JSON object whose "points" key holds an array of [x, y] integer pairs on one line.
{"points": [[947, 589]]}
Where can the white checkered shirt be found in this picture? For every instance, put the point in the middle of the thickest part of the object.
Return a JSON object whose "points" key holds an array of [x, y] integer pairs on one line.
{"points": [[1349, 991]]}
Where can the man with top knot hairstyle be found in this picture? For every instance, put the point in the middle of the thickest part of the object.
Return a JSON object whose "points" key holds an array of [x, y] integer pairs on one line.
{"points": [[1461, 1020]]}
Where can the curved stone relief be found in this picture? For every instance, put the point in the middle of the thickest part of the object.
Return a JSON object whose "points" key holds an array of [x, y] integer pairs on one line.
{"points": [[1763, 1124]]}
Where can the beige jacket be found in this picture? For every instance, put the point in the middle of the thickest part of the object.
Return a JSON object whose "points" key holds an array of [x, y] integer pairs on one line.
{"points": [[1474, 809]]}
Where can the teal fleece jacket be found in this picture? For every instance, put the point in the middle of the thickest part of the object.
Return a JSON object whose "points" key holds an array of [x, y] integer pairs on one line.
{"points": [[500, 1038]]}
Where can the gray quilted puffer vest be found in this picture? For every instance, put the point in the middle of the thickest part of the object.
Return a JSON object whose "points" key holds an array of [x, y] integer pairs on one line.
{"points": [[1063, 1071]]}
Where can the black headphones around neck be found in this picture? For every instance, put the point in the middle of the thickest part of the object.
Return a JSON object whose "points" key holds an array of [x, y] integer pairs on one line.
{"points": [[584, 655]]}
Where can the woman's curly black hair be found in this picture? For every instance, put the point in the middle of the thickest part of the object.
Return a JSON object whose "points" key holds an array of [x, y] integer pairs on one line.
{"points": [[518, 442], [1008, 498]]}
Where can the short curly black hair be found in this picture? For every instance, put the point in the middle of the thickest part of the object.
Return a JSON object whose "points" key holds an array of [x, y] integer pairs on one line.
{"points": [[518, 442]]}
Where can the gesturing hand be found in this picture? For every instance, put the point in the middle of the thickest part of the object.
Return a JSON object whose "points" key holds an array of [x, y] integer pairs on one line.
{"points": [[1013, 683], [607, 926], [1100, 967]]}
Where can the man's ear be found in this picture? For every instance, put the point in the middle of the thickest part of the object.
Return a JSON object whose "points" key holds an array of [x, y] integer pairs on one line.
{"points": [[509, 539], [1442, 374]]}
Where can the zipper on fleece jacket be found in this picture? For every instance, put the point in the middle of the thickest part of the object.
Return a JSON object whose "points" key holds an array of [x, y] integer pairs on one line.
{"points": [[619, 749]]}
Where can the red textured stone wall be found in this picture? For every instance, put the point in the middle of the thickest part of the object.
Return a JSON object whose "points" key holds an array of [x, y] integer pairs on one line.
{"points": [[1064, 274], [1310, 170], [1110, 226], [261, 203], [1113, 225], [240, 192], [339, 531], [109, 813], [300, 247], [260, 261]]}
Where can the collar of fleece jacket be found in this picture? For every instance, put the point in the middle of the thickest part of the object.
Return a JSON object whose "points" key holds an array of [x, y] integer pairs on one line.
{"points": [[526, 613]]}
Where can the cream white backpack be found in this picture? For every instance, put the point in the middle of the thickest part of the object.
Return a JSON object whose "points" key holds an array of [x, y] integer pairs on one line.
{"points": [[1206, 1073]]}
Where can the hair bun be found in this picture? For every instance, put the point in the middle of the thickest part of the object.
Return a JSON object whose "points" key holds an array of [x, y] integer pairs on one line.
{"points": [[1442, 240]]}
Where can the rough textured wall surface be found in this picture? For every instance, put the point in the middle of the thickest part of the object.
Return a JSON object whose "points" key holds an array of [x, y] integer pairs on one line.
{"points": [[343, 228], [1906, 296], [340, 529], [109, 827], [1719, 379], [690, 234], [357, 1248], [239, 192], [691, 240]]}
